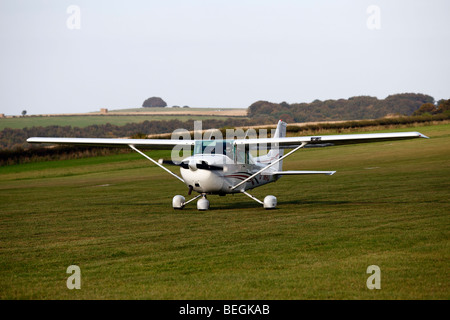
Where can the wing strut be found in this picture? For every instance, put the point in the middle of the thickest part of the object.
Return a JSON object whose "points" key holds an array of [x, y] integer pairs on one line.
{"points": [[253, 197], [155, 162], [269, 165]]}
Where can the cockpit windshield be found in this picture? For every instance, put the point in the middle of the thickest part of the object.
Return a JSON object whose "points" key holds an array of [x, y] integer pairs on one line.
{"points": [[214, 147], [237, 153]]}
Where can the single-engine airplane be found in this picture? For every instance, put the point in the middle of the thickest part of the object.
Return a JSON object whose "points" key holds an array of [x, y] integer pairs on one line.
{"points": [[226, 166]]}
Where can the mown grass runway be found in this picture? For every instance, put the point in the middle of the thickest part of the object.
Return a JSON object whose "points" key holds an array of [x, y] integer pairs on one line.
{"points": [[387, 205]]}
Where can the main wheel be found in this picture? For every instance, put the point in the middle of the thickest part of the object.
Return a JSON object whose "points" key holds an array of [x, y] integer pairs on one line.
{"points": [[270, 202], [178, 202]]}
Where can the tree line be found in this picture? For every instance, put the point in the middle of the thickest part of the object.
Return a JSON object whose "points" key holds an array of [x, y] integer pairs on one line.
{"points": [[442, 107], [354, 108]]}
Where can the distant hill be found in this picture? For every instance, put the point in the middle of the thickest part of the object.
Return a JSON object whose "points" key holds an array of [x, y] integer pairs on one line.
{"points": [[354, 108]]}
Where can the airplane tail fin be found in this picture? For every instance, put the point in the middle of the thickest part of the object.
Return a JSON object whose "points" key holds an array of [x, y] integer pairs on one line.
{"points": [[275, 152]]}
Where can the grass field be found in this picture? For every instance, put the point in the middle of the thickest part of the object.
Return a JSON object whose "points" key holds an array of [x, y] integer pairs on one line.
{"points": [[84, 121], [387, 205], [120, 117]]}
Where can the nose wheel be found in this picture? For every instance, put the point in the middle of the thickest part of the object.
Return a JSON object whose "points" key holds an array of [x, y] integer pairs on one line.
{"points": [[203, 203]]}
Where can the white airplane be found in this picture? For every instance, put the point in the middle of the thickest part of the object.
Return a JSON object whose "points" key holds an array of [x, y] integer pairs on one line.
{"points": [[226, 166]]}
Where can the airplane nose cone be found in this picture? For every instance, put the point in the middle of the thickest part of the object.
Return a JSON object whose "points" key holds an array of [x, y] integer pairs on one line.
{"points": [[192, 165]]}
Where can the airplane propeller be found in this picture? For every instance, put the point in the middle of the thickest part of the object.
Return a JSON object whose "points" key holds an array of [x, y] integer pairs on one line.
{"points": [[192, 165]]}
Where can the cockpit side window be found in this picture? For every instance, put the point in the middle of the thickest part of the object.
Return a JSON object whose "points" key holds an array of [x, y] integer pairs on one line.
{"points": [[228, 150], [198, 147], [239, 152]]}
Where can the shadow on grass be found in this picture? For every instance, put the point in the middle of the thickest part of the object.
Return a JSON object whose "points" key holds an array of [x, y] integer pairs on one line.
{"points": [[238, 203], [253, 205]]}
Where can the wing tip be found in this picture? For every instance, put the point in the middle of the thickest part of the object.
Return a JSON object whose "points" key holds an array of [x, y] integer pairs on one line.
{"points": [[422, 135]]}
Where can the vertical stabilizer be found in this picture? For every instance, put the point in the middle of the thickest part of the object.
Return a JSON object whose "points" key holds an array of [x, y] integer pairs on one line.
{"points": [[275, 152]]}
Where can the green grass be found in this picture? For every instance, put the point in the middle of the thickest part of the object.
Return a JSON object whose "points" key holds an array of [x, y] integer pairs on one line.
{"points": [[84, 121], [387, 205]]}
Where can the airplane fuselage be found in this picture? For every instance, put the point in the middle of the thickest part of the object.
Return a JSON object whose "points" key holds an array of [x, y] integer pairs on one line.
{"points": [[225, 174]]}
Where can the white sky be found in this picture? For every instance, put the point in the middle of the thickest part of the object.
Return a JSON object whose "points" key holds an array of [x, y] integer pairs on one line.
{"points": [[217, 53]]}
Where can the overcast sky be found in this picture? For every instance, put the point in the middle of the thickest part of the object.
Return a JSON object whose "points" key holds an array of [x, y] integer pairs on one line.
{"points": [[55, 58]]}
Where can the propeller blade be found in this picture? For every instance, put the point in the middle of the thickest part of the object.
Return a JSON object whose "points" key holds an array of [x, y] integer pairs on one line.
{"points": [[205, 166]]}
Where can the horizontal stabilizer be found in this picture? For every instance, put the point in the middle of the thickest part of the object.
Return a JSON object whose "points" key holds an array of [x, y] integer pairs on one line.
{"points": [[302, 172]]}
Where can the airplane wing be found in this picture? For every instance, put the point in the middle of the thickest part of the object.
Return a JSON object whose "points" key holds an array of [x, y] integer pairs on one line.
{"points": [[131, 143], [286, 142], [108, 142], [330, 140]]}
